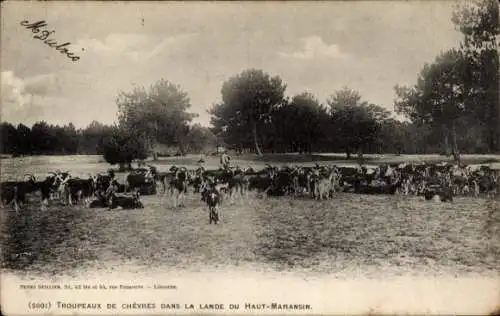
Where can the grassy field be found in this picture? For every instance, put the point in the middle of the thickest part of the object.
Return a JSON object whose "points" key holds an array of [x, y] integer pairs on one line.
{"points": [[83, 165], [349, 235]]}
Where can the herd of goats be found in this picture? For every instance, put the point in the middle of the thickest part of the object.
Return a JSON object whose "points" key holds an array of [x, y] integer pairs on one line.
{"points": [[432, 181]]}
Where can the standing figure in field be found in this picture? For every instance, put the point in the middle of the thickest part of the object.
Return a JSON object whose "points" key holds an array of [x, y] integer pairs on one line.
{"points": [[225, 161]]}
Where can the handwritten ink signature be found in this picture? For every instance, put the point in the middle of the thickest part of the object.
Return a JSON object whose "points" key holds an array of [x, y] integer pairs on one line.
{"points": [[43, 35]]}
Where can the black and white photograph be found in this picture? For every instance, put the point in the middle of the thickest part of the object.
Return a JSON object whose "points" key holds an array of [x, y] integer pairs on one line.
{"points": [[250, 157]]}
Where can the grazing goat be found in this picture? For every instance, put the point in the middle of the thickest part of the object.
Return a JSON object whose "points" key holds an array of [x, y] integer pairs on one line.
{"points": [[213, 198], [179, 186], [14, 192]]}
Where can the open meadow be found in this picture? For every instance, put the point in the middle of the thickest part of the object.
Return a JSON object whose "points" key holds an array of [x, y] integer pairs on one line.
{"points": [[349, 235]]}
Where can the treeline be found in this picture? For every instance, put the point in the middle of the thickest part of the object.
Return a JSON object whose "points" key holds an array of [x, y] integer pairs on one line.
{"points": [[302, 126], [453, 108], [457, 95], [252, 121], [47, 139]]}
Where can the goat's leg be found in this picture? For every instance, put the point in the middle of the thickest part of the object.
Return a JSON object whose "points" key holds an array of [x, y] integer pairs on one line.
{"points": [[10, 203], [16, 206], [43, 203], [165, 188], [181, 198], [240, 193], [174, 200], [231, 195]]}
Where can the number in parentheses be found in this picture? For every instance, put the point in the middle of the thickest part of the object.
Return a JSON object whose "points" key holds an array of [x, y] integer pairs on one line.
{"points": [[38, 305]]}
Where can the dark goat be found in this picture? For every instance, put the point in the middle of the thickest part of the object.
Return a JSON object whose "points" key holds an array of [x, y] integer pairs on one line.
{"points": [[444, 193], [125, 201], [213, 198], [76, 189], [14, 192]]}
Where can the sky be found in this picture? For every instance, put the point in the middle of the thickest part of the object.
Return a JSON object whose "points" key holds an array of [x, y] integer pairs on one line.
{"points": [[318, 47]]}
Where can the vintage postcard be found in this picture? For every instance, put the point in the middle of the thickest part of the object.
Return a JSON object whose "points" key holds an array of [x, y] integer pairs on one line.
{"points": [[235, 158]]}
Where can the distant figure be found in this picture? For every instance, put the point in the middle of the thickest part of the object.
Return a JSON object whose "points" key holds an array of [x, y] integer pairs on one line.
{"points": [[200, 171], [456, 157], [360, 158], [113, 188], [225, 161]]}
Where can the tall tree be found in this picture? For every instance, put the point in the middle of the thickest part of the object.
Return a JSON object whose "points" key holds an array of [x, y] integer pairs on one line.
{"points": [[479, 23], [438, 97], [247, 101], [299, 123], [200, 138], [157, 115], [353, 124], [382, 118], [123, 147]]}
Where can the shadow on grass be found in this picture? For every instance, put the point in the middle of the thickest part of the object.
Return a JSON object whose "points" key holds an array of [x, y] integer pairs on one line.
{"points": [[57, 238], [298, 234]]}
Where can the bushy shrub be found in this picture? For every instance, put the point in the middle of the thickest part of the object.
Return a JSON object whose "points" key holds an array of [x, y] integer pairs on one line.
{"points": [[123, 147]]}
